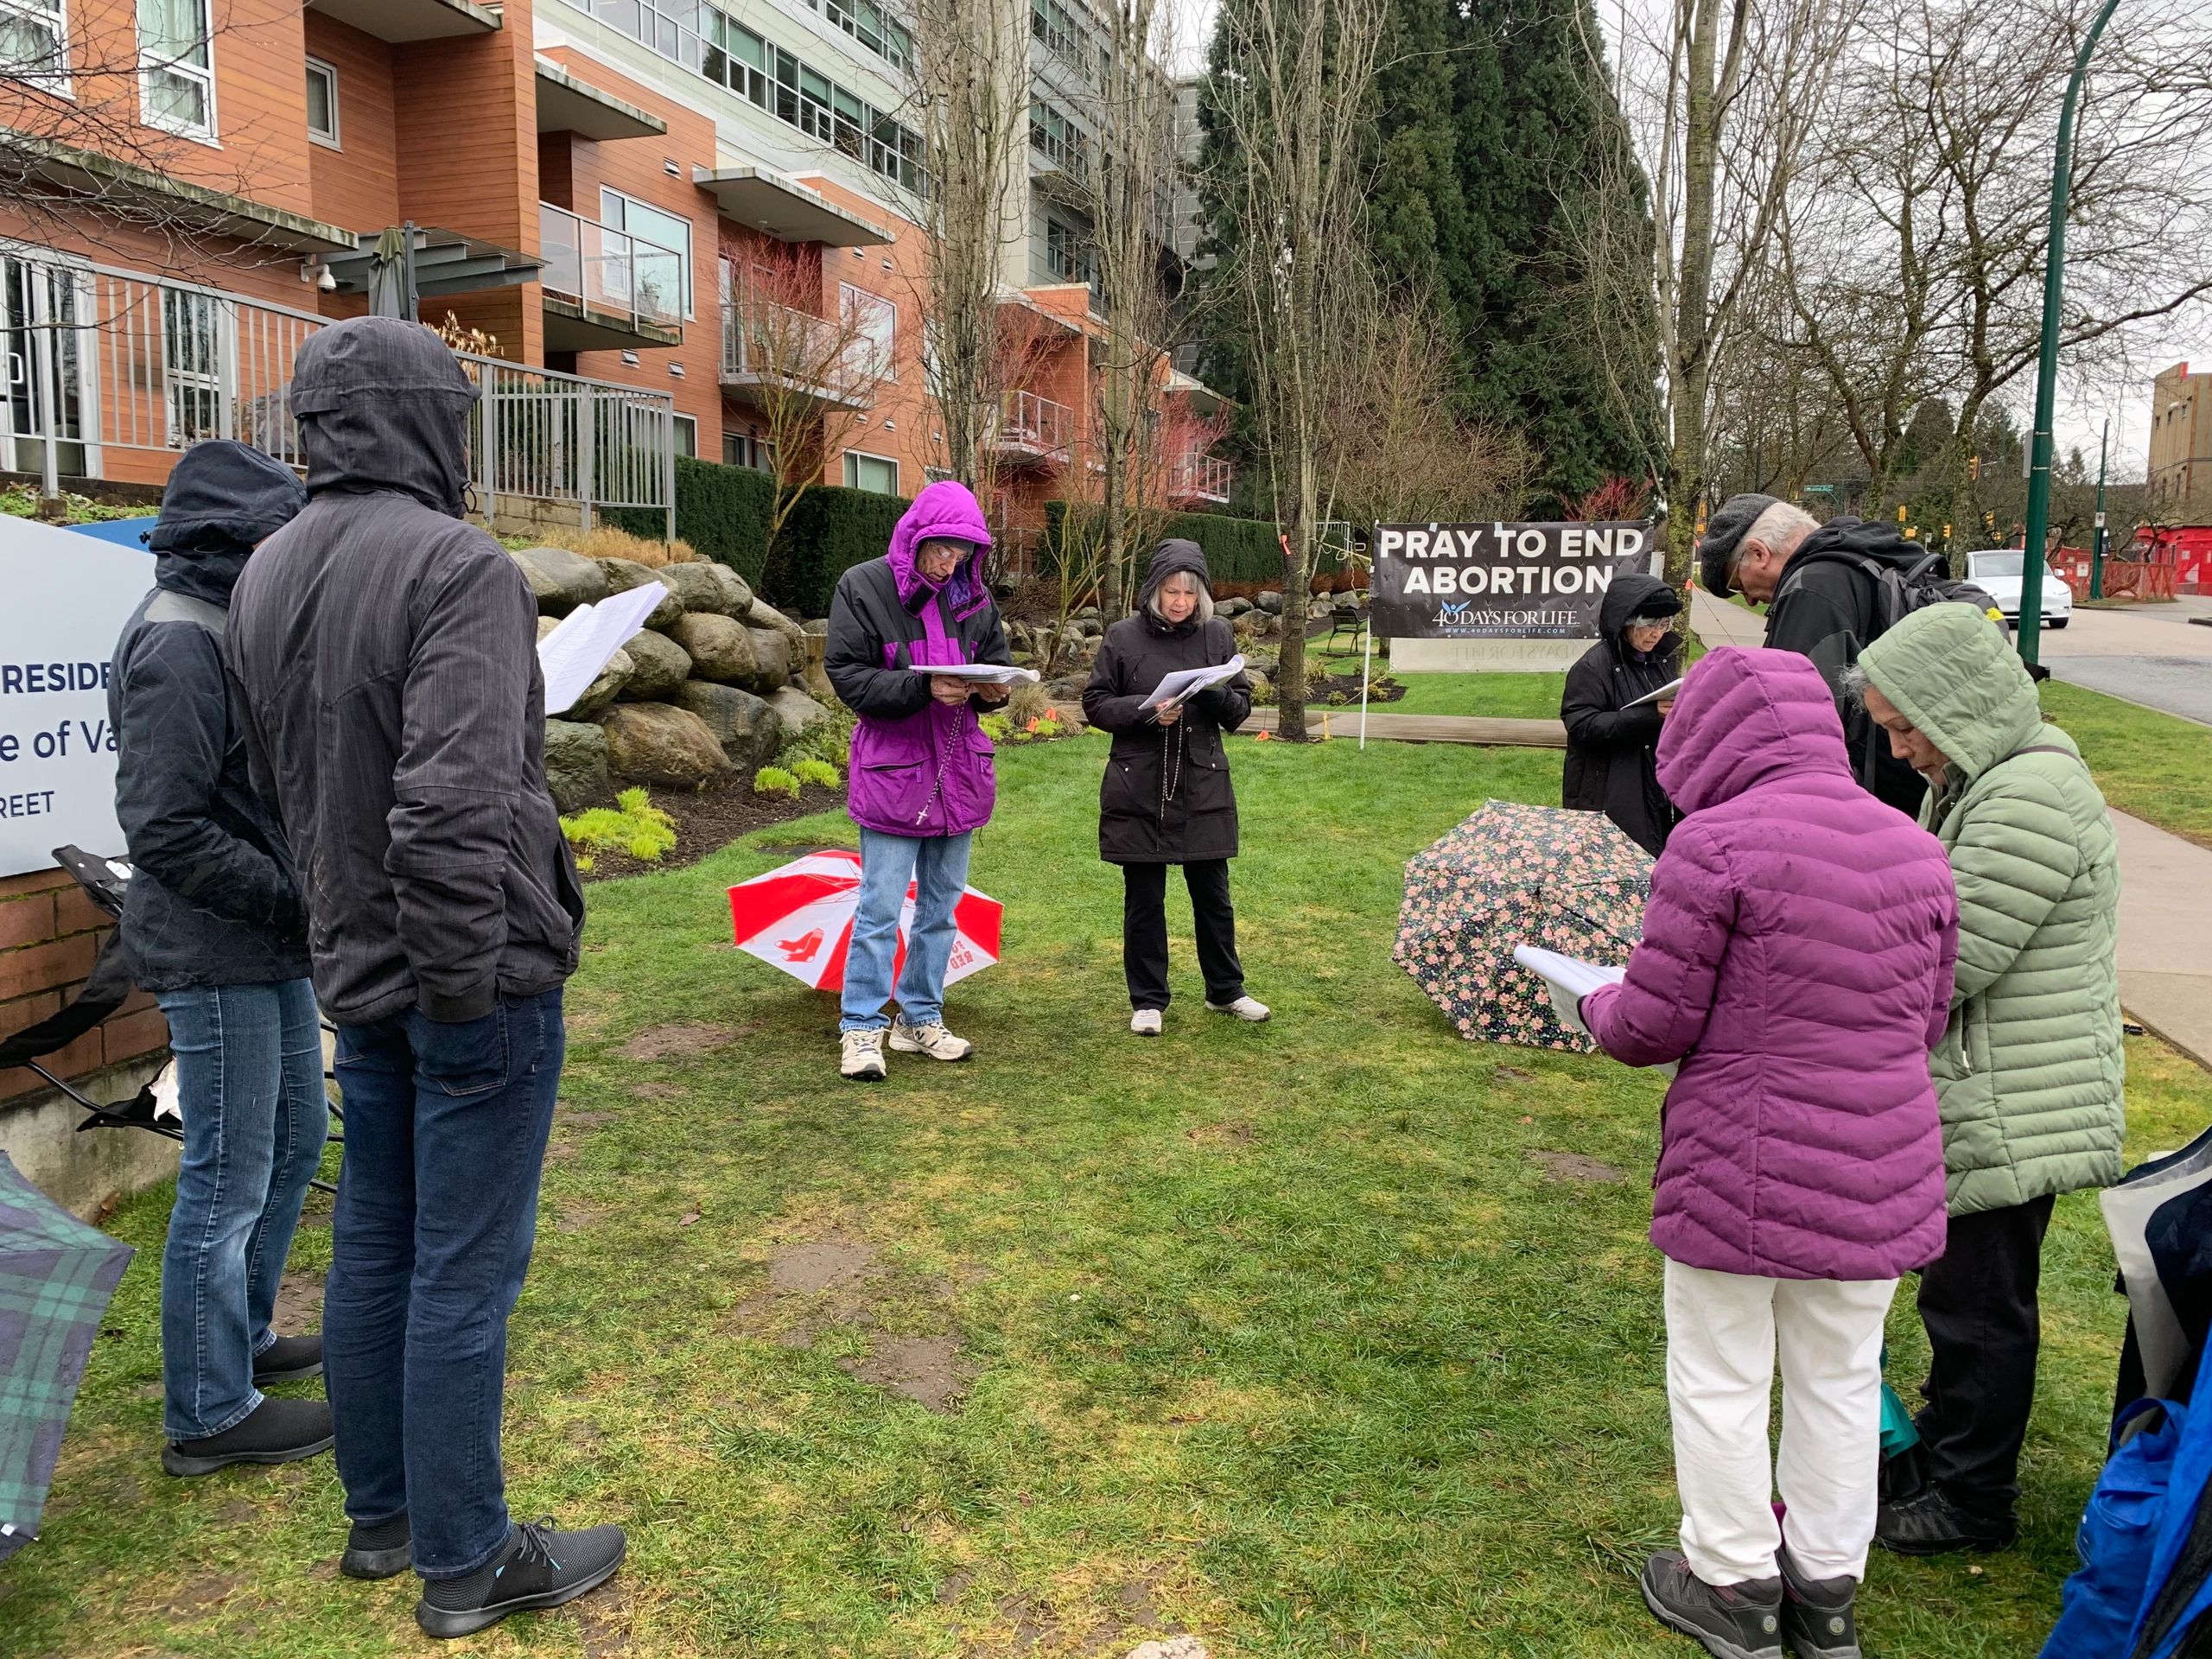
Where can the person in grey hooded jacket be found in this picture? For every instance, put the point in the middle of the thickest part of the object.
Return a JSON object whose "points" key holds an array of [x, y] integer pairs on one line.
{"points": [[387, 651], [213, 925]]}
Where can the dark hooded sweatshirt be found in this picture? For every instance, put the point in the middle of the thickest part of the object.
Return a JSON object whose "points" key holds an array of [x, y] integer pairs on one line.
{"points": [[1611, 749], [1166, 797], [388, 656], [1827, 608], [215, 901]]}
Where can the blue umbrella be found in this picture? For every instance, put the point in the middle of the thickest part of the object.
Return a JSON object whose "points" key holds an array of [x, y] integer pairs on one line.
{"points": [[125, 533], [56, 1274]]}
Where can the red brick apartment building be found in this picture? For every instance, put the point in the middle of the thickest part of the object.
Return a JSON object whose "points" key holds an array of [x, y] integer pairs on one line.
{"points": [[189, 187]]}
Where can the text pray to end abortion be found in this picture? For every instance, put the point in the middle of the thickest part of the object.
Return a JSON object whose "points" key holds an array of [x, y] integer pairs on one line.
{"points": [[1604, 545]]}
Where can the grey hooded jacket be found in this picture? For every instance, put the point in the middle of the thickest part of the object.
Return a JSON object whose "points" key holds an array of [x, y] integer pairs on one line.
{"points": [[387, 654]]}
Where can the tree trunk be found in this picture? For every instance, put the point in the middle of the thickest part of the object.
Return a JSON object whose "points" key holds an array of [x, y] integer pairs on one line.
{"points": [[1693, 321]]}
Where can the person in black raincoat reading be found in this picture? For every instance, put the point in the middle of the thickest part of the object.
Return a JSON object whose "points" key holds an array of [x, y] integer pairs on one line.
{"points": [[1611, 749], [1166, 797]]}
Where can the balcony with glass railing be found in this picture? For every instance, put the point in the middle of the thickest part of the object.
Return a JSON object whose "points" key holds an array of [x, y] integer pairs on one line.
{"points": [[1031, 428], [1200, 477], [770, 348], [607, 289]]}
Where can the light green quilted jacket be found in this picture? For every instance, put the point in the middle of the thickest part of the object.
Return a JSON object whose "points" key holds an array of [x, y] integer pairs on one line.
{"points": [[2030, 1073]]}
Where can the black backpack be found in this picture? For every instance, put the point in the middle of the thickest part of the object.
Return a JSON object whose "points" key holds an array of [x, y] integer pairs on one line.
{"points": [[1897, 593]]}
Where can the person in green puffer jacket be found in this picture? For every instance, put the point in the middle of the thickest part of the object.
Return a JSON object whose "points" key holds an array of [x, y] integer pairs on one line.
{"points": [[2030, 1075]]}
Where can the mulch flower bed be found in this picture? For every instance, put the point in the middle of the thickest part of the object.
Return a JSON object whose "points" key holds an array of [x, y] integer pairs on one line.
{"points": [[707, 820]]}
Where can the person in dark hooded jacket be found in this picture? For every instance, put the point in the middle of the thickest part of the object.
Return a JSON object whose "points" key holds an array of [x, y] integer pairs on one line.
{"points": [[213, 925], [1166, 797], [387, 652], [1612, 749]]}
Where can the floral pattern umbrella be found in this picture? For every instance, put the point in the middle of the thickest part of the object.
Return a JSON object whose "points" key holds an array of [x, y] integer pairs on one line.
{"points": [[1514, 874]]}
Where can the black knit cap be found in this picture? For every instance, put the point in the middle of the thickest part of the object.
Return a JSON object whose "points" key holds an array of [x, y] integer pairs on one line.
{"points": [[1724, 535]]}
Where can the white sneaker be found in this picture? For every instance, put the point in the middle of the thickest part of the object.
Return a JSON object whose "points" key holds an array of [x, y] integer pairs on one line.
{"points": [[1144, 1022], [1244, 1008], [862, 1059], [933, 1040]]}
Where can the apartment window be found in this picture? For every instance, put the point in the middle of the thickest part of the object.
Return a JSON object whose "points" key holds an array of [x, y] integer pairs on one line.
{"points": [[876, 472], [687, 435], [322, 103], [649, 224], [875, 322], [744, 449], [176, 65], [35, 42], [1065, 256], [195, 332]]}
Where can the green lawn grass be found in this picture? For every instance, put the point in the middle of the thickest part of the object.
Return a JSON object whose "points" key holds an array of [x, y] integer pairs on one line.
{"points": [[2157, 766], [1279, 1333], [1498, 695]]}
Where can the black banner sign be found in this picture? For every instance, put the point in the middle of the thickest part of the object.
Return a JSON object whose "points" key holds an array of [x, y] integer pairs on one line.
{"points": [[1500, 581]]}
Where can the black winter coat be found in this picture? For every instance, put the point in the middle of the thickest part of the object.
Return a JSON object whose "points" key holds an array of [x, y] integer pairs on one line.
{"points": [[1611, 749], [1827, 608], [215, 901], [1166, 797]]}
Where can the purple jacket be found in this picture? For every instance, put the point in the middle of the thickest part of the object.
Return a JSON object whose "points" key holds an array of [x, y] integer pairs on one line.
{"points": [[918, 767], [1796, 958]]}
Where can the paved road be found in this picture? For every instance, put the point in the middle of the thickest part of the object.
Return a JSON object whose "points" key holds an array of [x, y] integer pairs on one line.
{"points": [[2154, 656]]}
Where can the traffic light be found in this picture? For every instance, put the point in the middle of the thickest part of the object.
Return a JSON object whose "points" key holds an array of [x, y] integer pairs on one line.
{"points": [[1974, 466]]}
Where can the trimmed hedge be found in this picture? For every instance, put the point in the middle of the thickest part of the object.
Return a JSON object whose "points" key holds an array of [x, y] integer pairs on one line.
{"points": [[724, 512], [831, 530], [721, 511], [1243, 556]]}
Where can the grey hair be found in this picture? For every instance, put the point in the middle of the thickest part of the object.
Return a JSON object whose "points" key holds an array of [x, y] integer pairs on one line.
{"points": [[1781, 526], [1205, 611], [1854, 684]]}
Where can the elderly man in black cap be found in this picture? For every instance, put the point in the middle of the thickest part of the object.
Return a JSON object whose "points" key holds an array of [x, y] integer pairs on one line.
{"points": [[1822, 587]]}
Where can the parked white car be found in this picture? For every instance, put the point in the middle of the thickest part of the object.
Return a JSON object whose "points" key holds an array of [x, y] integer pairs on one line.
{"points": [[1996, 571]]}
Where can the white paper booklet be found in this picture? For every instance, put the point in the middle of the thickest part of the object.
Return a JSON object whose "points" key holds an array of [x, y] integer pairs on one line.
{"points": [[984, 673], [1672, 689], [575, 652], [1571, 979], [1187, 682]]}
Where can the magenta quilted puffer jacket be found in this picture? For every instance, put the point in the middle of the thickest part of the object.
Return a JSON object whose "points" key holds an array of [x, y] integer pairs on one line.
{"points": [[1796, 959]]}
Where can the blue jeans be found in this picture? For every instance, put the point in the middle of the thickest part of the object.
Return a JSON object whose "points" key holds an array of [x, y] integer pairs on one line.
{"points": [[936, 865], [437, 1212], [249, 1069]]}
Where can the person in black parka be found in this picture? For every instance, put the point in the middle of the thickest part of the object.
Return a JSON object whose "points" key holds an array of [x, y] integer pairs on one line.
{"points": [[1611, 749], [1166, 797]]}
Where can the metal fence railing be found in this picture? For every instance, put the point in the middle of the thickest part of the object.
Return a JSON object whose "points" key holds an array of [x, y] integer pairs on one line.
{"points": [[111, 374], [1200, 477], [1036, 426], [609, 271]]}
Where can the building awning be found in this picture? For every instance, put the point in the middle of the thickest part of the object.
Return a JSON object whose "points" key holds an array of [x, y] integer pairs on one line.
{"points": [[400, 22], [567, 104], [784, 208], [446, 262], [139, 194], [1200, 394]]}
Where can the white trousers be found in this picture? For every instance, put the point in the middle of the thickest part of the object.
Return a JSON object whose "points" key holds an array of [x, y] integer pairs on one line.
{"points": [[1724, 1331]]}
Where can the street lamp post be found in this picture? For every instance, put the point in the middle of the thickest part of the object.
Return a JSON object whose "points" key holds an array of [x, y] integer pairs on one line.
{"points": [[2054, 280], [2097, 546]]}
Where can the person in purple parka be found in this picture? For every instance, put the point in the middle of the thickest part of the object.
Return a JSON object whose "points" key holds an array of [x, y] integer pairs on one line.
{"points": [[1796, 959], [922, 775]]}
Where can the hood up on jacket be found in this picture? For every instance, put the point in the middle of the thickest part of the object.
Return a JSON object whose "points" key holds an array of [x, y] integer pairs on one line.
{"points": [[1633, 595], [1746, 718], [945, 509], [383, 405], [1951, 671], [222, 498], [1172, 557]]}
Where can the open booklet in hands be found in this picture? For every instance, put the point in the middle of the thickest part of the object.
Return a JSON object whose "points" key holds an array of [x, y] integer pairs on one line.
{"points": [[980, 673], [1569, 979], [1186, 683]]}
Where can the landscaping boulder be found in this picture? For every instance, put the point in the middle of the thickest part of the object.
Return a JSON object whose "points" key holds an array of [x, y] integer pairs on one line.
{"points": [[559, 580], [576, 764], [1068, 688], [660, 665], [1232, 609], [815, 625], [747, 727], [776, 657], [656, 743], [704, 585], [623, 575], [1088, 613], [720, 647], [796, 710], [1270, 601], [761, 615]]}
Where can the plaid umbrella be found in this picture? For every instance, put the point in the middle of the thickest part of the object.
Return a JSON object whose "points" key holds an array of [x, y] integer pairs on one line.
{"points": [[1513, 874], [56, 1274]]}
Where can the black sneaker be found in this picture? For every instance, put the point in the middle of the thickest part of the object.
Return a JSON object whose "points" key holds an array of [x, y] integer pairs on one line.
{"points": [[1929, 1524], [1736, 1621], [1817, 1621], [378, 1552], [288, 1359], [539, 1567], [275, 1431]]}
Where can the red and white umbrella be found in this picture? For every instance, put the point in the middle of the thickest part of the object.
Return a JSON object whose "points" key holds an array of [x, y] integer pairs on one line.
{"points": [[800, 919]]}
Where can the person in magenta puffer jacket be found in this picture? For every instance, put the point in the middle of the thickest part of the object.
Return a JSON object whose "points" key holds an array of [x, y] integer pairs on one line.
{"points": [[1797, 960], [922, 779]]}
